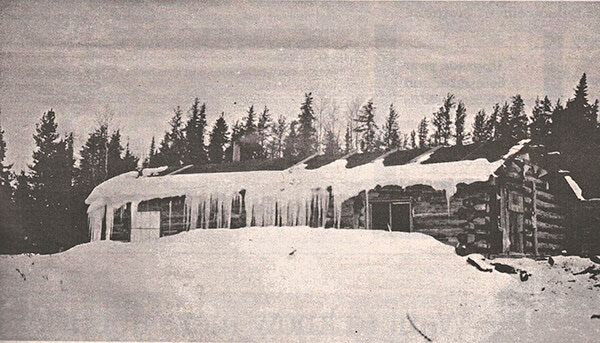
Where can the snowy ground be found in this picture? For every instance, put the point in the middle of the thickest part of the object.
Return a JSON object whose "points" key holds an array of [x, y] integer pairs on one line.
{"points": [[291, 284]]}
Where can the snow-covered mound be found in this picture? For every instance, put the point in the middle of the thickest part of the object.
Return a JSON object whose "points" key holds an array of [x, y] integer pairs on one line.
{"points": [[282, 284]]}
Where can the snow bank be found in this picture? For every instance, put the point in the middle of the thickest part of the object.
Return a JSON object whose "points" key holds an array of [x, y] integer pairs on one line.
{"points": [[291, 191], [285, 284]]}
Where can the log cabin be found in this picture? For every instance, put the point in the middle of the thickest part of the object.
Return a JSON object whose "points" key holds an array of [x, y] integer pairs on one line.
{"points": [[495, 198]]}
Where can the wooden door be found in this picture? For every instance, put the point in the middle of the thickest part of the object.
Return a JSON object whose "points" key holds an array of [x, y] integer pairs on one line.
{"points": [[401, 217], [380, 216]]}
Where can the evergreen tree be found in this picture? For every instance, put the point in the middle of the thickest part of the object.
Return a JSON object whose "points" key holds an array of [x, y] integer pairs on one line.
{"points": [[5, 187], [151, 161], [8, 237], [92, 170], [219, 137], [279, 131], [115, 150], [237, 133], [250, 147], [367, 127], [423, 132], [51, 182], [541, 120], [461, 115], [348, 144], [504, 128], [576, 125], [480, 127], [307, 134], [264, 127], [173, 146], [413, 139], [491, 127], [390, 130], [442, 121], [292, 142], [195, 127], [332, 146], [24, 207], [129, 161], [518, 119]]}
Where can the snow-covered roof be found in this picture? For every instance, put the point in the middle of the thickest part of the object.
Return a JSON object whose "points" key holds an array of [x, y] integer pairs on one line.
{"points": [[295, 183]]}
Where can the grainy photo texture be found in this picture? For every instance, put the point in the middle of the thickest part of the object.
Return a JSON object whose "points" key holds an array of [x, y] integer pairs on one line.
{"points": [[299, 171]]}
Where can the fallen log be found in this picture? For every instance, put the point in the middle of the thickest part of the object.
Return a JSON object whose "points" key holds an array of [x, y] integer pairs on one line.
{"points": [[480, 265]]}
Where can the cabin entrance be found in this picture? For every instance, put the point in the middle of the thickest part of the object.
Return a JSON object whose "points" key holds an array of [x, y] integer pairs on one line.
{"points": [[390, 216], [512, 217]]}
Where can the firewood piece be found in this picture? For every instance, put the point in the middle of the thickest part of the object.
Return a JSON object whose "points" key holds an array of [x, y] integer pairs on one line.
{"points": [[504, 268], [479, 265]]}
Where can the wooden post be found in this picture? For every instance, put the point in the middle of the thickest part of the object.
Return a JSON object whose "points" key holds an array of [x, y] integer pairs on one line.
{"points": [[367, 210], [534, 220]]}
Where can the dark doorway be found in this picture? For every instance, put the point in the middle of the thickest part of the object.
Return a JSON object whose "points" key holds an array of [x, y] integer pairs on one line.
{"points": [[380, 216], [401, 217], [390, 216]]}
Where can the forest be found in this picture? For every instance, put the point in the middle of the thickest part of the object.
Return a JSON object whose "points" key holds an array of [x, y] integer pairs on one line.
{"points": [[42, 209]]}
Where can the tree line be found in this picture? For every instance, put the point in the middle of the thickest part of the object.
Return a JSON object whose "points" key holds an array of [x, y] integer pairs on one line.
{"points": [[42, 209]]}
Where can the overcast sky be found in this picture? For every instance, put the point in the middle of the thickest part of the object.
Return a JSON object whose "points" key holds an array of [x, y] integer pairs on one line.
{"points": [[141, 59]]}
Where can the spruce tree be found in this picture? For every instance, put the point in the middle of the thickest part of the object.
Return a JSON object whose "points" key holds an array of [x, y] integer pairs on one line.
{"points": [[115, 150], [264, 127], [129, 161], [8, 237], [279, 132], [390, 130], [292, 143], [173, 146], [518, 119], [480, 132], [219, 137], [348, 146], [367, 127], [307, 134], [250, 140], [541, 120], [195, 152], [51, 182], [413, 139], [442, 121], [5, 176], [423, 132], [461, 115], [332, 146], [491, 127], [504, 128], [151, 161], [93, 154]]}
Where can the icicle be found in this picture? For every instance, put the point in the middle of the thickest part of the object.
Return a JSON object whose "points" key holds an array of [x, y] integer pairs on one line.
{"points": [[95, 224], [447, 203], [109, 221]]}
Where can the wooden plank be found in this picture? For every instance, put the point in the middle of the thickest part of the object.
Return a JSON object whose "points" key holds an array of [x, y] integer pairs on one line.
{"points": [[546, 205], [541, 194], [549, 246], [548, 216], [549, 237], [440, 221], [549, 227], [446, 232]]}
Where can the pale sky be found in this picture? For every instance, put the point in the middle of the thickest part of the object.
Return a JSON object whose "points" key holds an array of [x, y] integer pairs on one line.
{"points": [[142, 58]]}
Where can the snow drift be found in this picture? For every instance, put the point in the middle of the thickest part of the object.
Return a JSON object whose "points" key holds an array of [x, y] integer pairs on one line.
{"points": [[289, 284]]}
